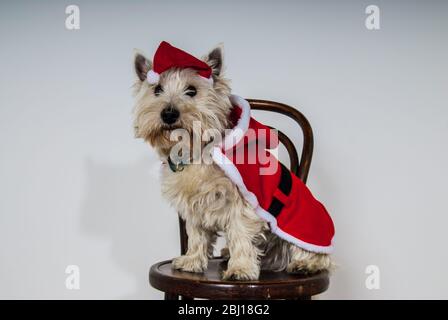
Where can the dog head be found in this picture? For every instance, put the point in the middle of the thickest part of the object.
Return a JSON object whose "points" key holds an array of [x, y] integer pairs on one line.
{"points": [[179, 99]]}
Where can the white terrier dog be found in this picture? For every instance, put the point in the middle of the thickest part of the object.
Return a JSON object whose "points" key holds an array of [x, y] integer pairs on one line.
{"points": [[173, 94]]}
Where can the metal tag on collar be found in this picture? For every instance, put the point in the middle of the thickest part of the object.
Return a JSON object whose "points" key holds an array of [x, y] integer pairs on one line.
{"points": [[175, 167]]}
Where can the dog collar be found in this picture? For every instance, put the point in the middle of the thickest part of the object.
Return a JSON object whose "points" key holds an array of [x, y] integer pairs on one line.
{"points": [[176, 167]]}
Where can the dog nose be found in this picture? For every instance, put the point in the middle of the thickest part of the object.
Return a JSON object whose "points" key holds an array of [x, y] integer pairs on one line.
{"points": [[169, 115]]}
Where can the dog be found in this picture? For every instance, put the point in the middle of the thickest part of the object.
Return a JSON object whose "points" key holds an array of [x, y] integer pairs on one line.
{"points": [[205, 197]]}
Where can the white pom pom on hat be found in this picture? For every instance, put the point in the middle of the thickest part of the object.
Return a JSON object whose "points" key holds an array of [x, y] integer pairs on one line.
{"points": [[152, 77]]}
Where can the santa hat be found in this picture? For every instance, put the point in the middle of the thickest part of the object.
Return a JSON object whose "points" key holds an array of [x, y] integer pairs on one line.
{"points": [[167, 57]]}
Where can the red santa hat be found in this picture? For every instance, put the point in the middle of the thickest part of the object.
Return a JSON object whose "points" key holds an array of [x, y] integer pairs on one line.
{"points": [[167, 57]]}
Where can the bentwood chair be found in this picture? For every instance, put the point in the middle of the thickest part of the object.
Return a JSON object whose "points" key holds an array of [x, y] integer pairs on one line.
{"points": [[271, 285]]}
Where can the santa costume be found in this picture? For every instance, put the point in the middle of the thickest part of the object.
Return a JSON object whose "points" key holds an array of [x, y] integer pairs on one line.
{"points": [[277, 195]]}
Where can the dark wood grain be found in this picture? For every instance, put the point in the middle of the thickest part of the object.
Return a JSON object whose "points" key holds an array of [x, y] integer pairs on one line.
{"points": [[271, 285], [183, 236]]}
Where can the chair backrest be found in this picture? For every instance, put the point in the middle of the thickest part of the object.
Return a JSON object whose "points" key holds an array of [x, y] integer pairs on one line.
{"points": [[301, 169]]}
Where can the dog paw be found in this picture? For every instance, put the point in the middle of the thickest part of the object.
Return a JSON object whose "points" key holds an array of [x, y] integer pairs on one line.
{"points": [[303, 267], [314, 264], [189, 264], [298, 267], [241, 273]]}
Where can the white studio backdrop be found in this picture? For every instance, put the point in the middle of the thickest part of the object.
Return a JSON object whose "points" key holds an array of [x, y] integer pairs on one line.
{"points": [[77, 188]]}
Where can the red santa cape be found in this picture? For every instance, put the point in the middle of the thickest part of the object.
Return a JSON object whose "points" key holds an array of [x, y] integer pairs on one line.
{"points": [[277, 195]]}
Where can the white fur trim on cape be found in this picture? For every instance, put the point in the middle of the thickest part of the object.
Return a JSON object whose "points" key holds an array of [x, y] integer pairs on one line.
{"points": [[231, 139], [232, 172], [237, 133]]}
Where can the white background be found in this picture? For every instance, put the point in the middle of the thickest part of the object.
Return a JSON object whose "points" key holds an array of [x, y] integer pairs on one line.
{"points": [[76, 188]]}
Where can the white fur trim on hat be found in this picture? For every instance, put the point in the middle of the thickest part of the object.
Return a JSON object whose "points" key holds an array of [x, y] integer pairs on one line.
{"points": [[152, 77]]}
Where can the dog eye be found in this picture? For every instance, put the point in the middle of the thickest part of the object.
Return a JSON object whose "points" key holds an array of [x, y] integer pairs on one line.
{"points": [[158, 90], [191, 91]]}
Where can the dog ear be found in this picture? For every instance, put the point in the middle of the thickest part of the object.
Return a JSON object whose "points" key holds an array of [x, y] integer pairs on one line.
{"points": [[215, 60], [142, 65]]}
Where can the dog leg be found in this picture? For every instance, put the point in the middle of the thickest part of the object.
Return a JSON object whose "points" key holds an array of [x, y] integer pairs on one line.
{"points": [[196, 258], [225, 253], [244, 261], [303, 261]]}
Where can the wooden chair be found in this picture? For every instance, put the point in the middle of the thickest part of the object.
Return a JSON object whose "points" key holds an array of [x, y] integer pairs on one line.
{"points": [[271, 285]]}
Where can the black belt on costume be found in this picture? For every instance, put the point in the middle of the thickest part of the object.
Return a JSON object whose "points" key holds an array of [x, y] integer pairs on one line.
{"points": [[284, 186]]}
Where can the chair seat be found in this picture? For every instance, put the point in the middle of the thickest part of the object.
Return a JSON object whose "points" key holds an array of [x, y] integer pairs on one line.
{"points": [[209, 285]]}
